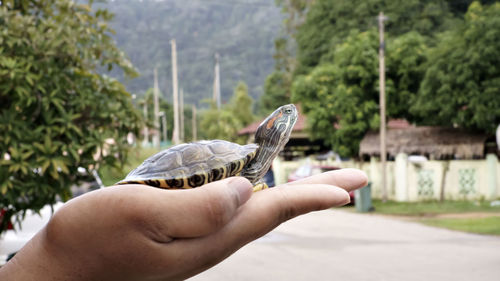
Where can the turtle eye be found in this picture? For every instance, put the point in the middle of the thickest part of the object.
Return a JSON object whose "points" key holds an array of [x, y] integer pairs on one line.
{"points": [[288, 110]]}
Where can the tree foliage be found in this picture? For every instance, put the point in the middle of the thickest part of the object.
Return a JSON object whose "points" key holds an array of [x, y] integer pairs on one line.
{"points": [[406, 60], [442, 67], [56, 111], [341, 98], [319, 26], [462, 82], [241, 105], [276, 92], [277, 86], [460, 7], [224, 123], [328, 23]]}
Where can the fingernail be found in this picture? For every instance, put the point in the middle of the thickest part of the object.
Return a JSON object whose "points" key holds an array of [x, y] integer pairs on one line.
{"points": [[345, 196], [242, 186], [359, 175]]}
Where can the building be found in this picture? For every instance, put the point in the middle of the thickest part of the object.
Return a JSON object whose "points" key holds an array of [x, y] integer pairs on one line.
{"points": [[437, 143]]}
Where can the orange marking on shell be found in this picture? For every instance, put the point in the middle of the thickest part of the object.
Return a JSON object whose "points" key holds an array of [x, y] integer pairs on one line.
{"points": [[270, 123]]}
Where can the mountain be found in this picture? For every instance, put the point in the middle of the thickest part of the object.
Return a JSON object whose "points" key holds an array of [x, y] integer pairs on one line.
{"points": [[241, 31]]}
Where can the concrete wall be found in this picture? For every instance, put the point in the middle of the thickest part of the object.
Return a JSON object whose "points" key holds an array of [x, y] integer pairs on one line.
{"points": [[415, 181]]}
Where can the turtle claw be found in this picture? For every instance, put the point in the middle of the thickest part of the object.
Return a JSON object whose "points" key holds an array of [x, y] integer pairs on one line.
{"points": [[259, 187]]}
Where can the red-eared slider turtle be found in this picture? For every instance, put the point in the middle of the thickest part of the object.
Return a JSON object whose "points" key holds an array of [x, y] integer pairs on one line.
{"points": [[195, 164]]}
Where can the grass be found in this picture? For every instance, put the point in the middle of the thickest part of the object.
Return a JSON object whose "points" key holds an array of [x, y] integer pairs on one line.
{"points": [[426, 208], [111, 175], [486, 225], [469, 216]]}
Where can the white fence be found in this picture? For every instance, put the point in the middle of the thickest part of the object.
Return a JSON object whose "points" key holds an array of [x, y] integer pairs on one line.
{"points": [[426, 180]]}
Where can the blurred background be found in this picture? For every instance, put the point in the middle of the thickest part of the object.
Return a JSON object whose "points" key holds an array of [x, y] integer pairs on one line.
{"points": [[408, 91]]}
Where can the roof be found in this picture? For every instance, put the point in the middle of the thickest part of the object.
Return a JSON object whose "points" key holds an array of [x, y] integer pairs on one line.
{"points": [[398, 124], [301, 125], [436, 142]]}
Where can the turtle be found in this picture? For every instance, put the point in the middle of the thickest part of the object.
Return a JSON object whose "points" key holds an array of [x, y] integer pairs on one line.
{"points": [[194, 164]]}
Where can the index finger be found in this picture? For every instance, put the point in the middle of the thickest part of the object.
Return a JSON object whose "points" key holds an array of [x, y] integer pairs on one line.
{"points": [[348, 179]]}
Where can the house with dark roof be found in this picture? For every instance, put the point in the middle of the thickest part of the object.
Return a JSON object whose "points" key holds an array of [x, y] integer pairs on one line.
{"points": [[437, 143]]}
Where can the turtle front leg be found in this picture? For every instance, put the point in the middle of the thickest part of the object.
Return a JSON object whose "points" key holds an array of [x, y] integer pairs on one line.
{"points": [[260, 186]]}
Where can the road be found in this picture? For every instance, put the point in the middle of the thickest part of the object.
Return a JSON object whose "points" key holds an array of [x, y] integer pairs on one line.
{"points": [[340, 245]]}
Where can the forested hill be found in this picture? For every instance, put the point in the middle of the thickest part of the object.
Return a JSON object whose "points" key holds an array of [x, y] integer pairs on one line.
{"points": [[241, 31]]}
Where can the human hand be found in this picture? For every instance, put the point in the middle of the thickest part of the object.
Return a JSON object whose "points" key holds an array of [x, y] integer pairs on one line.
{"points": [[137, 232]]}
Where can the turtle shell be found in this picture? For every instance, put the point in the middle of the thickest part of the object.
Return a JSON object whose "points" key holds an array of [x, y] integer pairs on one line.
{"points": [[192, 164]]}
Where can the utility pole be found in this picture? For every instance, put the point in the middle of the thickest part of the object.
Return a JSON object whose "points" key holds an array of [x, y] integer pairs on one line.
{"points": [[383, 153], [216, 96], [156, 135], [175, 133], [193, 124], [145, 141], [164, 123], [181, 115]]}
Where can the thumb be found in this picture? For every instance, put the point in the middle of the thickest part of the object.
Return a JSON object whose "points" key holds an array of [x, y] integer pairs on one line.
{"points": [[199, 211]]}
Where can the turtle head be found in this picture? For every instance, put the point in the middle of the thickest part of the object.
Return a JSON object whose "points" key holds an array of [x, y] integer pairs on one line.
{"points": [[271, 136], [275, 130]]}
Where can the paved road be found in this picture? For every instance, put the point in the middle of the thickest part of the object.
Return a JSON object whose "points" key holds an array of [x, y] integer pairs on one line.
{"points": [[339, 245]]}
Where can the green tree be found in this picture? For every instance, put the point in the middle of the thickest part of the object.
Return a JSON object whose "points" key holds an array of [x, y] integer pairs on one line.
{"points": [[406, 59], [440, 69], [277, 86], [56, 110], [462, 82], [276, 92], [219, 124], [328, 23], [341, 98], [241, 104], [224, 123], [319, 26], [460, 7]]}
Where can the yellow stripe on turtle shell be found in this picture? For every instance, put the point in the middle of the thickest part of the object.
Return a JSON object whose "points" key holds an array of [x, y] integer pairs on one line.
{"points": [[162, 183]]}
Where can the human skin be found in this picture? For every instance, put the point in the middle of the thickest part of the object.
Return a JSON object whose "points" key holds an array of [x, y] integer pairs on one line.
{"points": [[137, 232]]}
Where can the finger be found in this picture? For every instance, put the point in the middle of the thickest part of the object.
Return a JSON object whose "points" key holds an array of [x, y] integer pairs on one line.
{"points": [[348, 179], [195, 212], [268, 210], [262, 213]]}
